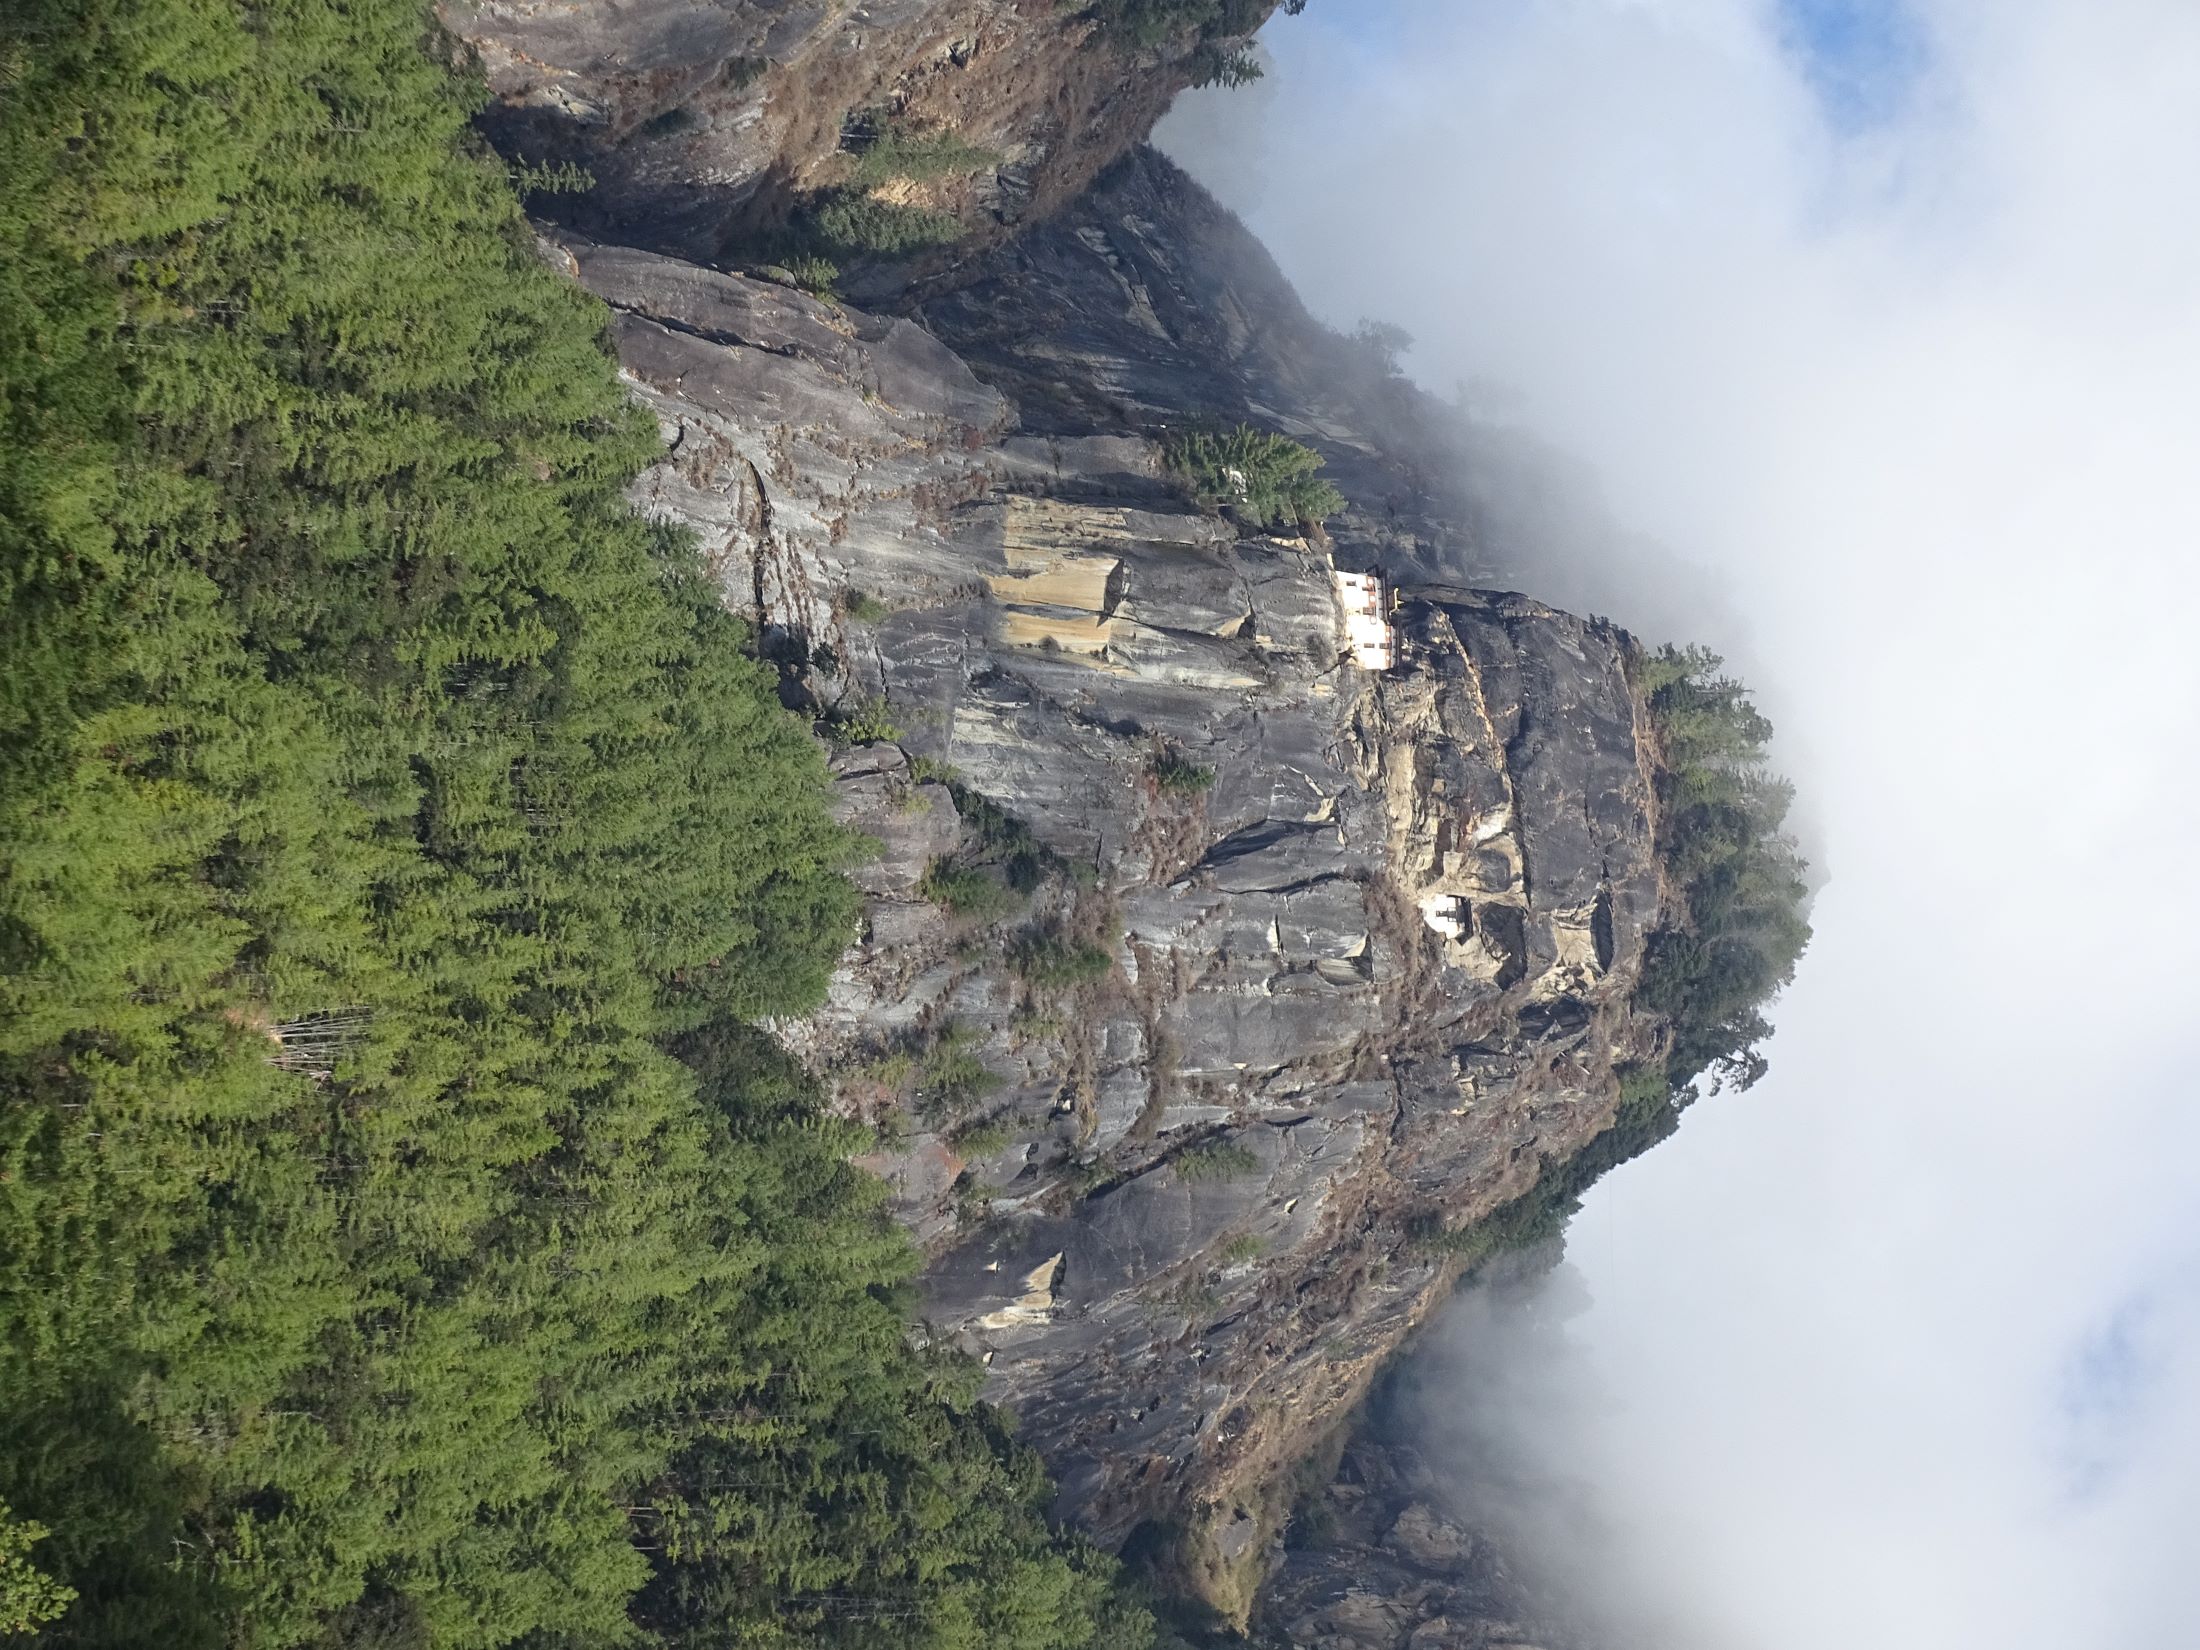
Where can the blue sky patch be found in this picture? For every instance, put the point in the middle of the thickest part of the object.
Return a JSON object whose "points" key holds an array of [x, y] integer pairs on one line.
{"points": [[2107, 1383], [1861, 57]]}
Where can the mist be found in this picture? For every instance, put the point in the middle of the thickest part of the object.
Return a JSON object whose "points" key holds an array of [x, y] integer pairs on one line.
{"points": [[1886, 319]]}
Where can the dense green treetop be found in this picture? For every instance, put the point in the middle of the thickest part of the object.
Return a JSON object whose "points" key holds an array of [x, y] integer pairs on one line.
{"points": [[403, 1239], [1265, 478], [1742, 882]]}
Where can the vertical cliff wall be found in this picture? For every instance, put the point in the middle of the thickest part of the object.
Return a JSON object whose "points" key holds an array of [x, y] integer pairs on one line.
{"points": [[1205, 972]]}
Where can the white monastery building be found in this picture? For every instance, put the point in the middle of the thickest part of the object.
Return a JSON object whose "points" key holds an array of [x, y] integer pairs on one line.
{"points": [[1363, 604]]}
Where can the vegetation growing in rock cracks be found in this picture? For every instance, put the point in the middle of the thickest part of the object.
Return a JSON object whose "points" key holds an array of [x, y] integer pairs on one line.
{"points": [[865, 608], [851, 225], [1241, 1248], [814, 275], [1058, 962], [950, 1076], [857, 217], [1646, 1116], [1263, 478], [1216, 1160], [405, 1240], [860, 721], [983, 1139], [1175, 774], [970, 891], [885, 150]]}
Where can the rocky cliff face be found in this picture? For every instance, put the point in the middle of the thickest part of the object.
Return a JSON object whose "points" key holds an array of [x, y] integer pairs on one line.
{"points": [[1204, 967], [1385, 1559], [1248, 907], [1426, 1528], [703, 122]]}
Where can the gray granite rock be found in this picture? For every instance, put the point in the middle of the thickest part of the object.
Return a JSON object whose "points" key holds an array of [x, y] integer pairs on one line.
{"points": [[1374, 971]]}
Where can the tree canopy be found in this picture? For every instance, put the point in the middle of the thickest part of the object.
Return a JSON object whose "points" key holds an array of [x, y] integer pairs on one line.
{"points": [[1722, 836], [1206, 24], [404, 1238], [1264, 478]]}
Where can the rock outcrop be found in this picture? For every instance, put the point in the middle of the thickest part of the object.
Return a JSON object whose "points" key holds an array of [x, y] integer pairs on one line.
{"points": [[704, 122], [1264, 964]]}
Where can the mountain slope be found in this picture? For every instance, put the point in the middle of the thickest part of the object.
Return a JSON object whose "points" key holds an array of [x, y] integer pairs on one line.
{"points": [[1371, 979]]}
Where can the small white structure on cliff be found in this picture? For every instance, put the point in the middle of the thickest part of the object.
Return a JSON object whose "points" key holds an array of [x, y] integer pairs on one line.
{"points": [[1449, 915], [1366, 613]]}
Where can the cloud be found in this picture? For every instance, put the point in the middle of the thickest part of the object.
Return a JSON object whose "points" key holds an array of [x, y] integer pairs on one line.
{"points": [[1862, 58], [1912, 367], [2111, 1376]]}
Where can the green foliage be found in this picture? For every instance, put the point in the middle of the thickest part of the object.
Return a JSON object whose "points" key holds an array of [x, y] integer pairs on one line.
{"points": [[1241, 1248], [556, 178], [1214, 66], [983, 1139], [837, 1488], [861, 722], [1175, 774], [927, 769], [1266, 479], [670, 123], [1193, 1297], [950, 1076], [1742, 884], [846, 224], [851, 221], [1216, 1160], [1721, 837], [403, 1238], [815, 275], [889, 1069], [29, 1597], [865, 608], [1086, 1174], [1036, 1024], [888, 151], [1057, 962], [1384, 342], [1209, 26], [969, 891], [1147, 23], [1003, 840], [742, 72]]}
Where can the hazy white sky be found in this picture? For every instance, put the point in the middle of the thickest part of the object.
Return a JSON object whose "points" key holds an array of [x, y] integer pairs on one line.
{"points": [[1889, 315]]}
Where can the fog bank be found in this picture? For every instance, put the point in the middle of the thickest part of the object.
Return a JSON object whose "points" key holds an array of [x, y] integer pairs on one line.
{"points": [[1889, 317]]}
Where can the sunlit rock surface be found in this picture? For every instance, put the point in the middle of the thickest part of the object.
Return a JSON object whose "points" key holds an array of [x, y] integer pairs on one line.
{"points": [[1371, 971]]}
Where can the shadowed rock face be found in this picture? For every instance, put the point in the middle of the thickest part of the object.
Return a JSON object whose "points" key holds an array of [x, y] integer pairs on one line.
{"points": [[1431, 1532], [1144, 303], [1147, 305], [703, 121], [1367, 967], [1384, 1560]]}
